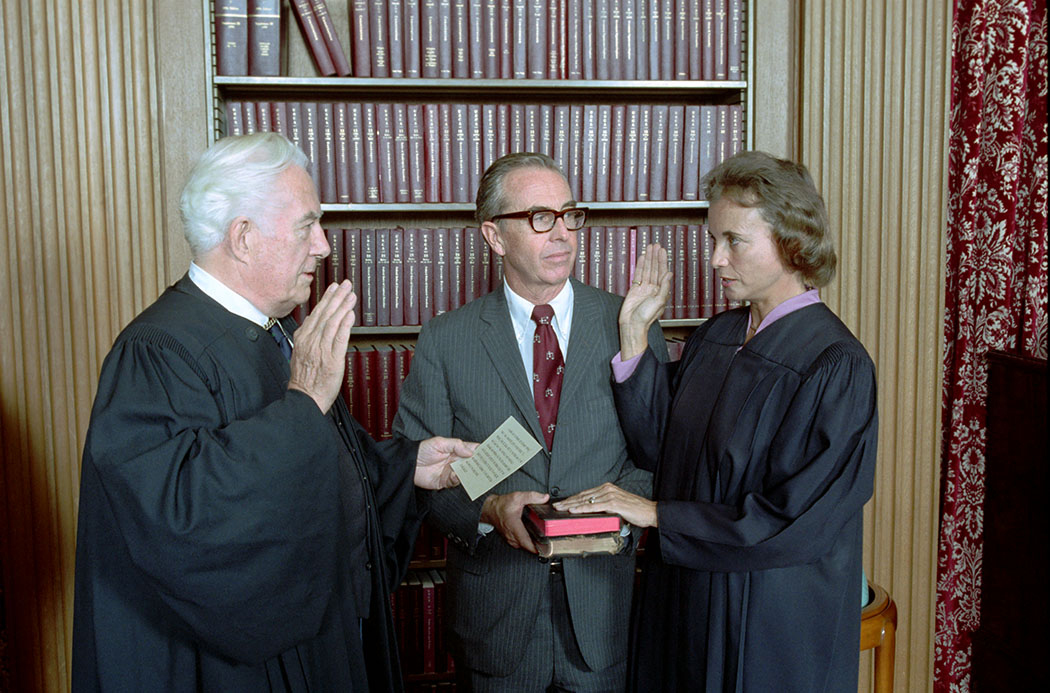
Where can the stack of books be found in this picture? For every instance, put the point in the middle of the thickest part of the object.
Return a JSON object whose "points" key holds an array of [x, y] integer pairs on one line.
{"points": [[560, 533]]}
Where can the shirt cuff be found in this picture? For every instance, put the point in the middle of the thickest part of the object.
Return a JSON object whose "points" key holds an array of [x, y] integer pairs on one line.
{"points": [[622, 370]]}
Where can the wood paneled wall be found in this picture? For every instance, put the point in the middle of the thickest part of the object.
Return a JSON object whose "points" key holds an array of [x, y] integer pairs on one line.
{"points": [[874, 108], [84, 247]]}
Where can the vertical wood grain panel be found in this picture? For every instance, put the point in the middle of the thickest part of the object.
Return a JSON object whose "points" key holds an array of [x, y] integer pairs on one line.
{"points": [[82, 252], [874, 84]]}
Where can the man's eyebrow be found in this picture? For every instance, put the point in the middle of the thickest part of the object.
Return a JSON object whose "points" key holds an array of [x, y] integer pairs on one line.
{"points": [[309, 216], [539, 208]]}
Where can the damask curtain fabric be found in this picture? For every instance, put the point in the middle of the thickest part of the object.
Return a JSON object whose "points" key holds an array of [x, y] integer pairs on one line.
{"points": [[996, 294]]}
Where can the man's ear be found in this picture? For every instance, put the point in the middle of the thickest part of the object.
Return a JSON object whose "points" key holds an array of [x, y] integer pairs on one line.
{"points": [[494, 237], [239, 237]]}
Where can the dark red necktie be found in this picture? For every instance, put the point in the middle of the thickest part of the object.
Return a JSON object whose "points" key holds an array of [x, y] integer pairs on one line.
{"points": [[548, 366]]}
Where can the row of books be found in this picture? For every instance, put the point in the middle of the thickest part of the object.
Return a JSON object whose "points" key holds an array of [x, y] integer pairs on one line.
{"points": [[418, 607], [406, 276], [491, 39], [398, 152]]}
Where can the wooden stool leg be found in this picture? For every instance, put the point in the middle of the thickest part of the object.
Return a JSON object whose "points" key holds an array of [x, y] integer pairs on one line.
{"points": [[884, 662]]}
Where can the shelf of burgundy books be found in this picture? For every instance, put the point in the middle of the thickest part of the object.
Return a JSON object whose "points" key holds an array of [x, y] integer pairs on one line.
{"points": [[466, 209], [479, 90]]}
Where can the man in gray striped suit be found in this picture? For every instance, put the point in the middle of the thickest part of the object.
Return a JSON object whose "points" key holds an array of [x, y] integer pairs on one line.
{"points": [[518, 622]]}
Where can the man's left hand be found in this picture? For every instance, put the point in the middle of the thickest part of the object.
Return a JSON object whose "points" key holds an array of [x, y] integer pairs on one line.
{"points": [[434, 462]]}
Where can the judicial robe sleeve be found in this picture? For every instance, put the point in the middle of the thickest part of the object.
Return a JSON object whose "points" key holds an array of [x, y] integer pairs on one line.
{"points": [[819, 473], [231, 523], [643, 402]]}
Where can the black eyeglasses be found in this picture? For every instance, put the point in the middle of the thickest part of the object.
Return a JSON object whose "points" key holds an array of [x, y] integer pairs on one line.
{"points": [[543, 220]]}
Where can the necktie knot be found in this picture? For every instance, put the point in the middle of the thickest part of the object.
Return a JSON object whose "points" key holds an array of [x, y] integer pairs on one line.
{"points": [[543, 314]]}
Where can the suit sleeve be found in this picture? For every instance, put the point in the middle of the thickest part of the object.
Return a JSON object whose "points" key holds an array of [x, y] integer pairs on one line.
{"points": [[820, 466], [232, 524], [425, 410]]}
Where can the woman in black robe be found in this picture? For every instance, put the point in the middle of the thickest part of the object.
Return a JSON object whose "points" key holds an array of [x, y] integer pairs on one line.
{"points": [[763, 439]]}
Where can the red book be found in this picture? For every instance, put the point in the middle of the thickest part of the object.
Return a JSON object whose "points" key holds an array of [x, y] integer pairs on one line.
{"points": [[474, 145], [679, 300], [296, 129], [736, 129], [708, 42], [722, 138], [620, 255], [366, 290], [304, 13], [616, 153], [382, 289], [360, 39], [395, 32], [342, 154], [734, 70], [311, 133], [562, 139], [630, 154], [691, 154], [602, 35], [519, 33], [448, 192], [675, 122], [576, 139], [654, 29], [456, 292], [459, 157], [430, 37], [710, 278], [582, 249], [696, 45], [596, 248], [335, 263], [554, 37], [264, 37], [641, 55], [327, 154], [248, 114], [668, 38], [397, 277], [644, 151], [347, 390], [412, 44], [402, 177], [574, 42], [472, 247], [502, 130], [617, 40], [411, 289], [590, 152], [658, 155], [352, 261], [536, 51], [365, 400], [506, 39], [681, 39], [426, 275], [707, 143], [432, 152], [460, 40], [546, 127], [234, 118], [427, 627], [697, 275], [549, 522], [664, 235], [517, 128], [609, 259], [385, 137], [487, 283], [279, 119], [489, 138], [231, 36], [331, 39], [531, 128], [588, 40], [489, 40], [444, 46], [441, 271], [721, 31], [263, 116], [371, 152], [402, 362], [416, 158], [380, 41]]}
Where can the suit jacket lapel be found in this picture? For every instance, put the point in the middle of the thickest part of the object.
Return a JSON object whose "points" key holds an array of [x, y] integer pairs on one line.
{"points": [[497, 337], [583, 342]]}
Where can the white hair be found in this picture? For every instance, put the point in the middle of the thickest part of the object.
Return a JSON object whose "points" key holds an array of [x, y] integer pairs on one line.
{"points": [[234, 177]]}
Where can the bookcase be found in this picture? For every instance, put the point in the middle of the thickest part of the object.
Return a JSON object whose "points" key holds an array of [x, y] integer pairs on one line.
{"points": [[636, 99]]}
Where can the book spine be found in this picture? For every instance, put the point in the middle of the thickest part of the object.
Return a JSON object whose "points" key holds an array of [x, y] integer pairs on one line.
{"points": [[561, 137], [460, 152], [668, 37], [680, 277], [331, 39], [387, 404], [441, 271], [609, 260], [667, 241], [574, 39], [426, 275], [546, 127], [721, 32], [279, 118], [506, 39], [263, 116], [304, 13], [234, 118], [429, 653], [708, 63], [474, 147], [517, 128], [696, 47], [675, 123], [489, 138], [655, 45], [429, 32], [411, 289], [352, 262], [734, 42], [590, 151], [371, 152], [382, 276], [707, 144], [519, 33], [601, 38], [691, 154], [395, 43], [576, 138], [342, 152], [445, 39], [681, 39], [475, 32], [471, 264], [360, 39], [401, 157], [641, 13], [658, 155], [615, 30], [710, 278], [432, 150], [532, 129], [620, 257], [629, 55], [248, 114], [311, 124], [387, 173], [630, 154], [595, 265], [367, 288], [736, 129], [397, 279], [264, 37], [588, 40], [644, 151], [490, 46], [502, 130], [460, 40], [416, 156], [336, 263], [231, 37], [554, 36], [448, 193], [356, 164], [722, 138], [697, 275], [616, 161], [412, 54], [456, 288], [327, 155], [380, 45]]}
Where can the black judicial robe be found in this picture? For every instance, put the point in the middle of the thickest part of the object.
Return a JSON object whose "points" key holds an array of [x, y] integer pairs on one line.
{"points": [[231, 537], [764, 459]]}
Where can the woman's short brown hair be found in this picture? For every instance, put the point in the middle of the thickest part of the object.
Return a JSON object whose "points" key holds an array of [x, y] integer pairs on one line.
{"points": [[785, 196]]}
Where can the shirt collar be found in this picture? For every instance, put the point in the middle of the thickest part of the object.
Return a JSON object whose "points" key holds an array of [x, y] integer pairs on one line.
{"points": [[789, 306], [521, 311], [225, 296]]}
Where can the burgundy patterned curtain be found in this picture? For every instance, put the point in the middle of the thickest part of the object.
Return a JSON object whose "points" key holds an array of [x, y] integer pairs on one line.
{"points": [[996, 295]]}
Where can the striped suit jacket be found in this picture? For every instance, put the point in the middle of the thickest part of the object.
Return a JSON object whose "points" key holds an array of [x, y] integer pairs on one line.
{"points": [[466, 378]]}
